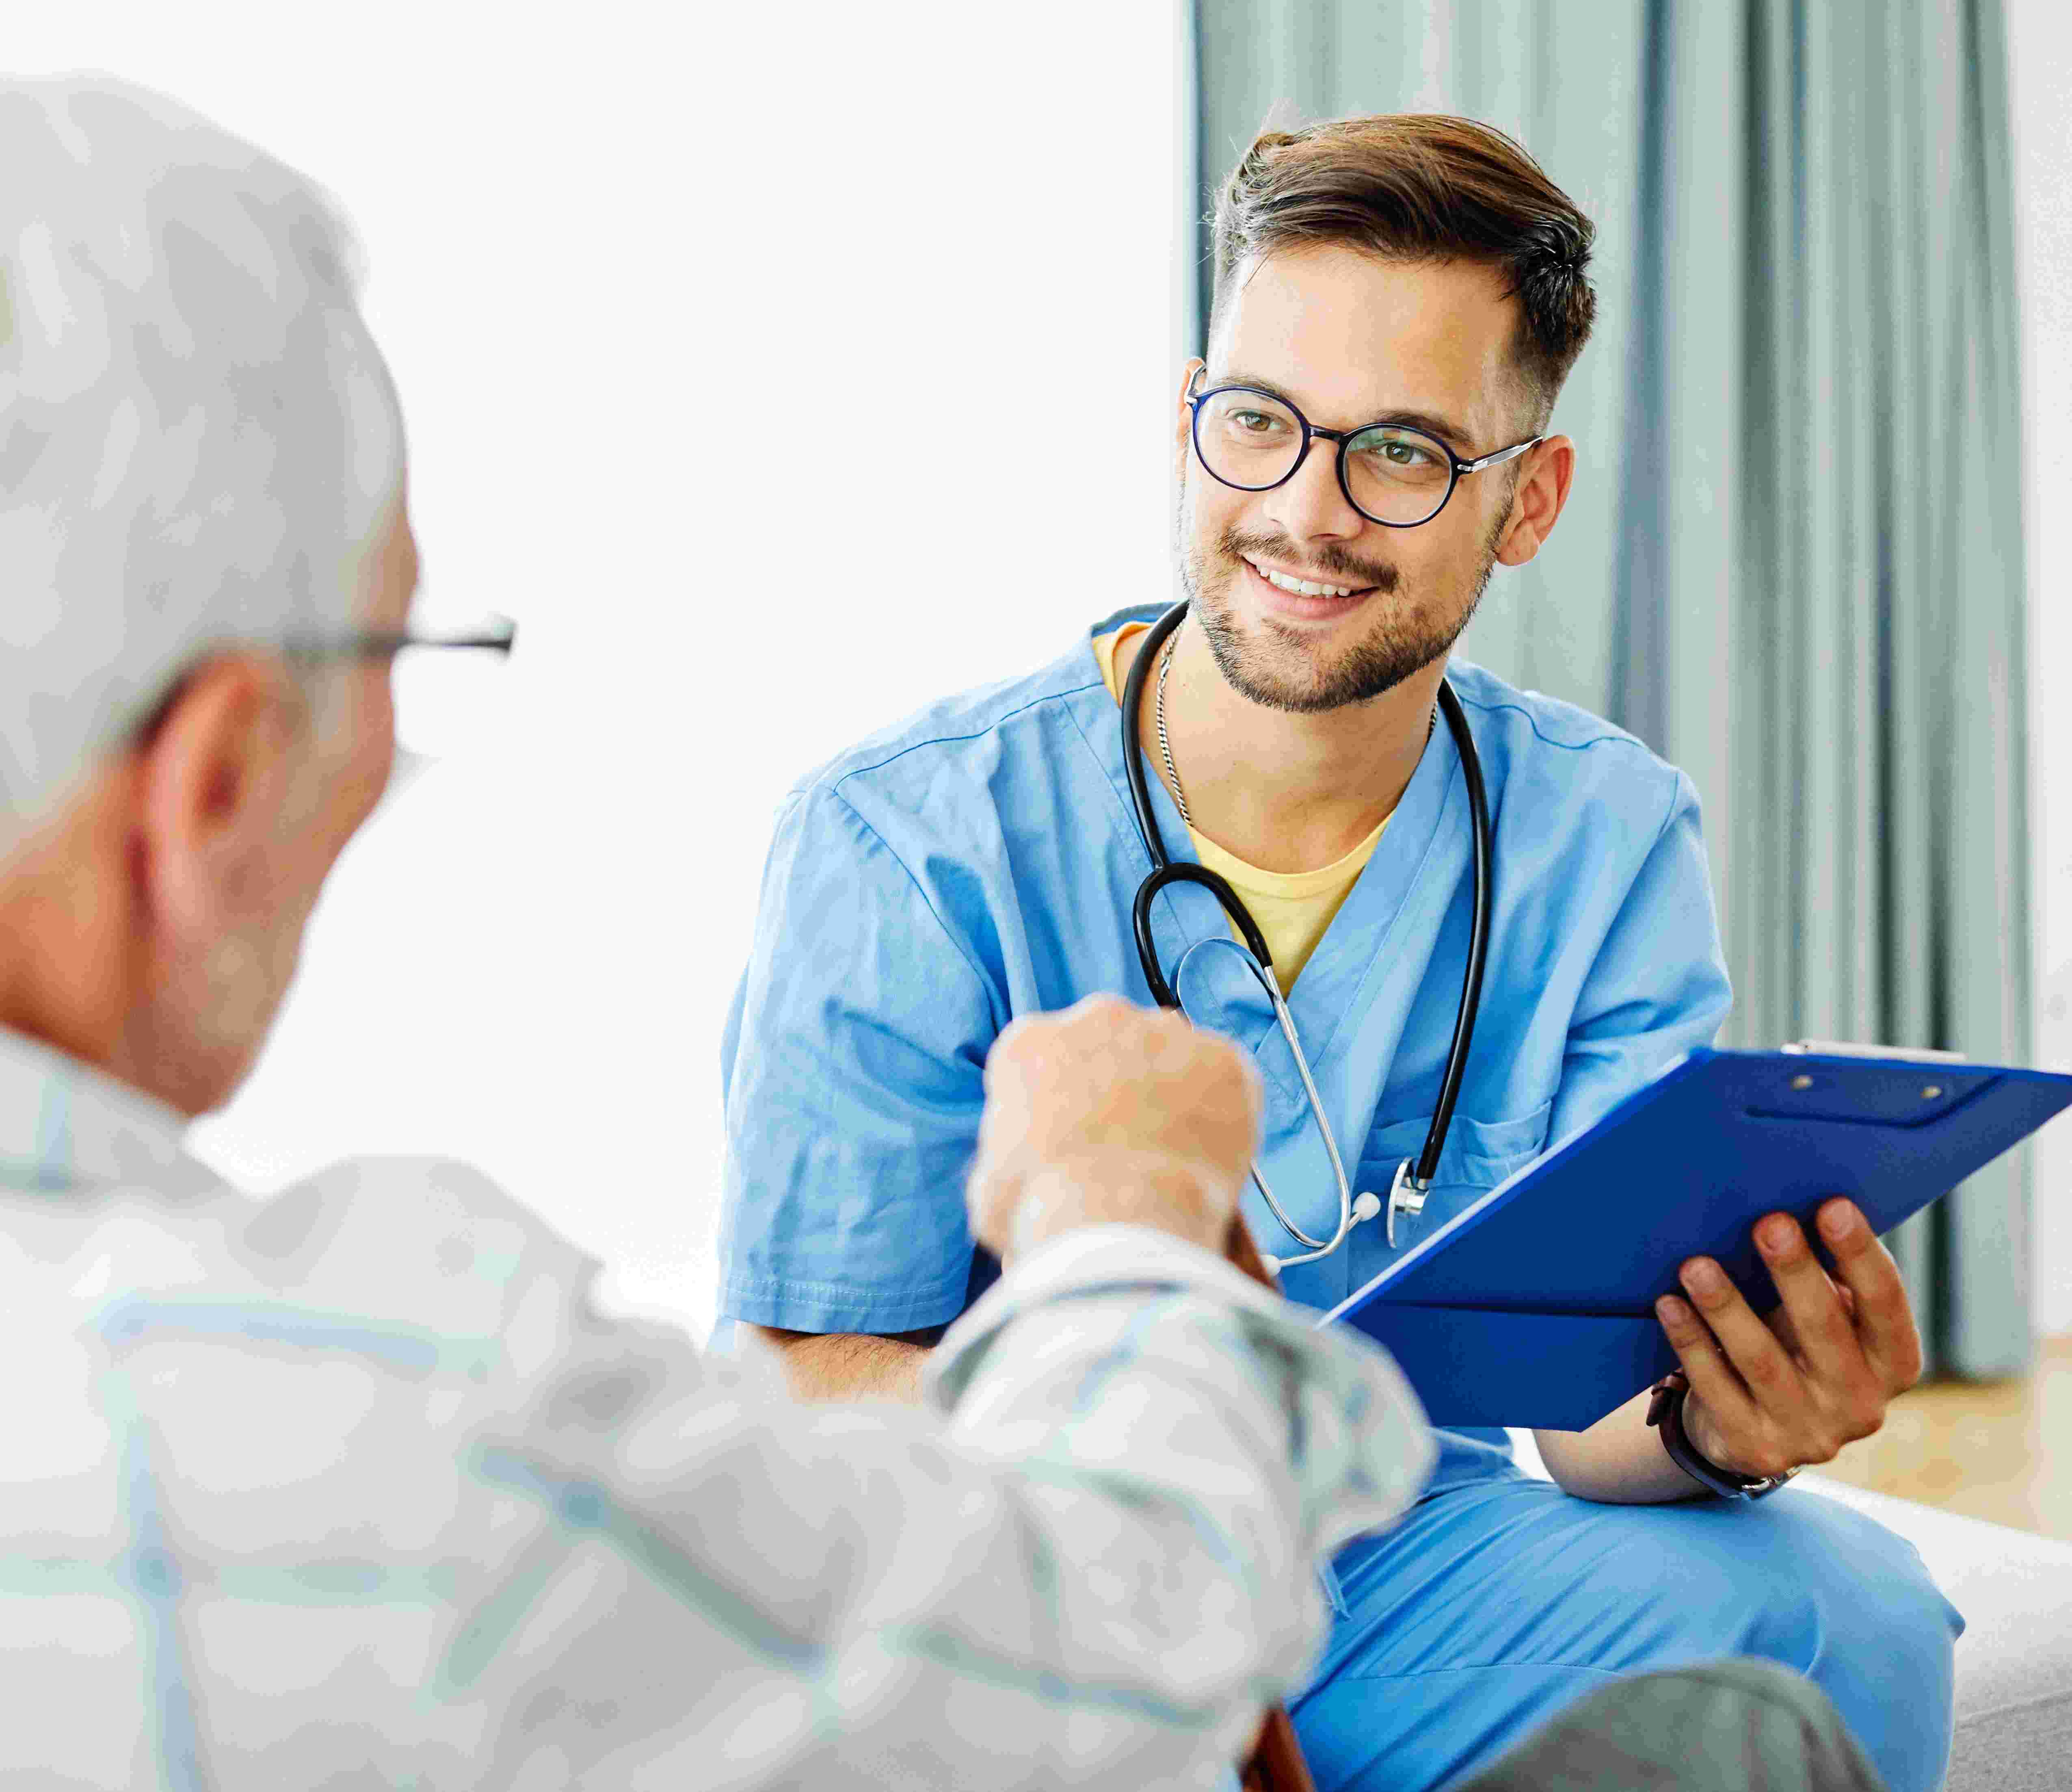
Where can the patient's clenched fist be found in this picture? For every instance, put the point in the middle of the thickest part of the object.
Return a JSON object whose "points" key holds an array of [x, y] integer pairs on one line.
{"points": [[1109, 1111]]}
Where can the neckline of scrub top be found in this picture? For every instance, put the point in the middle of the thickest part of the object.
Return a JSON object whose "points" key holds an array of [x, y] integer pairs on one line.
{"points": [[1354, 949], [1247, 878], [1294, 909]]}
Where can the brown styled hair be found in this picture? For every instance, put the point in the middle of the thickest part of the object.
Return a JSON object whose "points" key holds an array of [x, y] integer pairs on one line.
{"points": [[1420, 188]]}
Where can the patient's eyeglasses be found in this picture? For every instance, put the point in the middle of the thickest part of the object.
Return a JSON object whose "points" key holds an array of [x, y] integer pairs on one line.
{"points": [[446, 686], [1253, 440]]}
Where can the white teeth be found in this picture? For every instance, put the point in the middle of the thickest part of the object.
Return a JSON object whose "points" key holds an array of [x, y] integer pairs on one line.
{"points": [[1300, 586]]}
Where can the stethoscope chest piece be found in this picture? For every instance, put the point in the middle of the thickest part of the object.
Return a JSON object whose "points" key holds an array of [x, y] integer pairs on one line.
{"points": [[1406, 1196]]}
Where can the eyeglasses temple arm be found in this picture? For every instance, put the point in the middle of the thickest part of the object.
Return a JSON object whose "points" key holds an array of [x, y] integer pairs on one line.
{"points": [[1500, 456]]}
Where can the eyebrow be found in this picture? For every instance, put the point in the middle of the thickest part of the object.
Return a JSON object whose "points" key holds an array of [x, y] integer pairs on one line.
{"points": [[1429, 421]]}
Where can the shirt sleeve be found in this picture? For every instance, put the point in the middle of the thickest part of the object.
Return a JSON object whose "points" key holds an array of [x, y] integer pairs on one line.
{"points": [[1090, 1563], [1658, 984], [853, 1091]]}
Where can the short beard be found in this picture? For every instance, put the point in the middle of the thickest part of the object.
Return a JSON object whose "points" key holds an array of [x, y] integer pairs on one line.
{"points": [[1396, 646]]}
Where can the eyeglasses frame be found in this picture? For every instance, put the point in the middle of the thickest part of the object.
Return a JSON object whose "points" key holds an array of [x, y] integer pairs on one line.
{"points": [[1457, 468], [493, 634]]}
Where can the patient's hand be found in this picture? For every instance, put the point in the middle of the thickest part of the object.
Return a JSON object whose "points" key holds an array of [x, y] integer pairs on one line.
{"points": [[1108, 1112]]}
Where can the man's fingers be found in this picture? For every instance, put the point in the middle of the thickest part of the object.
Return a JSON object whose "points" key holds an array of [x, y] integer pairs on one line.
{"points": [[1820, 1326], [1711, 1377], [1108, 1082], [1884, 1321], [1758, 1358]]}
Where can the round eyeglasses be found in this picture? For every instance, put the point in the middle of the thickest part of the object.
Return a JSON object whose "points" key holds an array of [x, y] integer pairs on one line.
{"points": [[1253, 440]]}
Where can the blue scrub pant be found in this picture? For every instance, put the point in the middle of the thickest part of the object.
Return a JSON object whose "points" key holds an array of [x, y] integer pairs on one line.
{"points": [[1497, 1602]]}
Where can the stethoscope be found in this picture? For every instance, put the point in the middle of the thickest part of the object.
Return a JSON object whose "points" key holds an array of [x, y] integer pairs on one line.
{"points": [[1413, 1177]]}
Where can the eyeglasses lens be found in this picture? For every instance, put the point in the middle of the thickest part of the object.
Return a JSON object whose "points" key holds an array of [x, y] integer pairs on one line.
{"points": [[1397, 475], [1247, 439], [1250, 441]]}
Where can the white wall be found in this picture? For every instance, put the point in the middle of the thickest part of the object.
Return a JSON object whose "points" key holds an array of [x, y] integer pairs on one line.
{"points": [[2040, 35], [721, 346]]}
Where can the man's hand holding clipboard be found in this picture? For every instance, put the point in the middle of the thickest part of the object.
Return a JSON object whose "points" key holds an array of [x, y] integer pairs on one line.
{"points": [[1770, 1394], [1671, 1235]]}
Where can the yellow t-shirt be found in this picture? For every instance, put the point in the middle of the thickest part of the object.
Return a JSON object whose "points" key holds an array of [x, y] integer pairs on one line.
{"points": [[1292, 908]]}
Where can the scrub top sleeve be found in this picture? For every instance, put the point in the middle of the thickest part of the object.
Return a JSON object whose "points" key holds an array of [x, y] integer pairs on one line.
{"points": [[1658, 984], [854, 1083]]}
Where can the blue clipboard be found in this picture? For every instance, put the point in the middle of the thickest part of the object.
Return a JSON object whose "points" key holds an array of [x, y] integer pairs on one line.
{"points": [[1534, 1307]]}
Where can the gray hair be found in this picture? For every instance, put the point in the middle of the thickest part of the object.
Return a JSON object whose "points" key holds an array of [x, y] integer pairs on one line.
{"points": [[199, 443]]}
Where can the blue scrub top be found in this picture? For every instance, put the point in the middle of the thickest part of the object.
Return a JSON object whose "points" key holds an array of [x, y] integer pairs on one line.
{"points": [[979, 862]]}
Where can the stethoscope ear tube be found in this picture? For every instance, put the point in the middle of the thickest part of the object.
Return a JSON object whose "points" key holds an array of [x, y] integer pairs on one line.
{"points": [[1471, 983], [1132, 768]]}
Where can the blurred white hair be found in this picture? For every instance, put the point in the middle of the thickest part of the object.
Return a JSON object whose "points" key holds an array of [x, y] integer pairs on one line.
{"points": [[199, 442]]}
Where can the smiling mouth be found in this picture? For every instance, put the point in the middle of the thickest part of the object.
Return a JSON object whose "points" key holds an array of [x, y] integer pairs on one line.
{"points": [[1307, 588]]}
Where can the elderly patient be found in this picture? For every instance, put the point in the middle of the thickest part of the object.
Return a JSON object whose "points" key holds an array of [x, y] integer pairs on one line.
{"points": [[355, 1487]]}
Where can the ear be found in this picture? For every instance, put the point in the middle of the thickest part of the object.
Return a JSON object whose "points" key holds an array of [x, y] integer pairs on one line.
{"points": [[1183, 413], [1542, 490], [211, 781]]}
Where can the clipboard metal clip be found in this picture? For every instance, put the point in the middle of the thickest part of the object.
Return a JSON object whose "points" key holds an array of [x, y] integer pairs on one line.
{"points": [[1844, 1048], [1406, 1195]]}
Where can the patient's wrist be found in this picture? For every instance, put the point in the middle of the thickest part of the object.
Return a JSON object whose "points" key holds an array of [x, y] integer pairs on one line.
{"points": [[1121, 1188]]}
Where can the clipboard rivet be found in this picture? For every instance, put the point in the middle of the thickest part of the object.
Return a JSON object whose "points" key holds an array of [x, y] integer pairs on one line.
{"points": [[1801, 1083], [1931, 1091]]}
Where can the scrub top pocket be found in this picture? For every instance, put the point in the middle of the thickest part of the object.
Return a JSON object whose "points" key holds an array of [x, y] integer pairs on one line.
{"points": [[1477, 1156]]}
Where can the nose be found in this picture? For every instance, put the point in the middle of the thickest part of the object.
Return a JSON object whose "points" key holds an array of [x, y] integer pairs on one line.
{"points": [[1312, 506]]}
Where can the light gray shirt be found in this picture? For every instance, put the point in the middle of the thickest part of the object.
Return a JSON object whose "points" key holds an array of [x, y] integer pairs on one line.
{"points": [[354, 1487]]}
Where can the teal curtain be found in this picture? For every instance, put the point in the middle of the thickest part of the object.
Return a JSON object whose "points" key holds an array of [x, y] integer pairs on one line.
{"points": [[1792, 560]]}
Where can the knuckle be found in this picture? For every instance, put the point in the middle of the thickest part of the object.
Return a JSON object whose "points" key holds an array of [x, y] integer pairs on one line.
{"points": [[1105, 1011], [1765, 1369], [1767, 1459], [1838, 1336]]}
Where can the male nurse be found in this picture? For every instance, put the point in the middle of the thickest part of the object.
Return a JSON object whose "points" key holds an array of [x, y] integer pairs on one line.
{"points": [[1395, 297]]}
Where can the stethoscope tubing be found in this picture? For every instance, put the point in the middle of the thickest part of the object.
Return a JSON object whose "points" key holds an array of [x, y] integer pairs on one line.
{"points": [[1471, 979], [1166, 871]]}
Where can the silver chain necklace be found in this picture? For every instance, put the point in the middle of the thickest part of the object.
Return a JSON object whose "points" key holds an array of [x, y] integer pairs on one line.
{"points": [[1166, 746]]}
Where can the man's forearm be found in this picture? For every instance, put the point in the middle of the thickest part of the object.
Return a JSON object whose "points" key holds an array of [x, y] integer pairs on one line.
{"points": [[1114, 1187], [849, 1366], [1619, 1461]]}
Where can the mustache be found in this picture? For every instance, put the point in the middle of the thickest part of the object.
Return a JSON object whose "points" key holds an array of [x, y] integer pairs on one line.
{"points": [[1342, 568]]}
